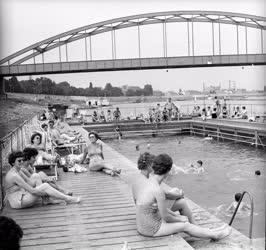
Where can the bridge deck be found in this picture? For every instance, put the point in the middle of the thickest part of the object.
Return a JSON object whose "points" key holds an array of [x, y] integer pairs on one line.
{"points": [[105, 218]]}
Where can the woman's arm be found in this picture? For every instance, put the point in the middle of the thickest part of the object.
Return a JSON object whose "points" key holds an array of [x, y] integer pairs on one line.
{"points": [[21, 183], [85, 153], [25, 172], [172, 193], [25, 177], [164, 211], [101, 147]]}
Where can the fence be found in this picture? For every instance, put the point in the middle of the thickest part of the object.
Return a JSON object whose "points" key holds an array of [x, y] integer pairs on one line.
{"points": [[15, 140]]}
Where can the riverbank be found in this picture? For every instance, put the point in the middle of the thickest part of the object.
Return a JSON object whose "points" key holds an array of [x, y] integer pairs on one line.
{"points": [[40, 98], [14, 112]]}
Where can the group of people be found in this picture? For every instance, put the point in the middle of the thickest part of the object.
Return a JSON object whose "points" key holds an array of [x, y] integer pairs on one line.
{"points": [[219, 111], [164, 113], [109, 117], [160, 210]]}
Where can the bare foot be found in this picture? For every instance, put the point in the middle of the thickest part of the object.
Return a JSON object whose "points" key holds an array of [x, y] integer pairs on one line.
{"points": [[50, 201], [116, 172], [223, 233], [73, 200]]}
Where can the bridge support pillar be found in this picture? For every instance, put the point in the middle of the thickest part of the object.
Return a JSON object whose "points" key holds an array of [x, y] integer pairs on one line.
{"points": [[2, 88]]}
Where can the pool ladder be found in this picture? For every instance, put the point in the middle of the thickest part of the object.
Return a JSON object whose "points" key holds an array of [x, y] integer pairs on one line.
{"points": [[251, 212]]}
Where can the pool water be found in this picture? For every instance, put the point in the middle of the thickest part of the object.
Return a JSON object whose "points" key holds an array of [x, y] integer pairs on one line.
{"points": [[230, 168]]}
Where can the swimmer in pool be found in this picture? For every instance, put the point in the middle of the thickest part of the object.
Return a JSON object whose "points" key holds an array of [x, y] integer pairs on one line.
{"points": [[242, 207], [196, 168], [208, 138]]}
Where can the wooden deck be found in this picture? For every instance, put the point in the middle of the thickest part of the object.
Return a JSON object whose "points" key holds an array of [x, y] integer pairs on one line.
{"points": [[106, 217]]}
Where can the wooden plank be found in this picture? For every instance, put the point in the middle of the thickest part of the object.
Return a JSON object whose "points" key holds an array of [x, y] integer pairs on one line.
{"points": [[104, 219]]}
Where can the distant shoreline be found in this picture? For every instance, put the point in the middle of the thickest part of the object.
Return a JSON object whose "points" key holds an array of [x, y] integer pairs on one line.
{"points": [[45, 99]]}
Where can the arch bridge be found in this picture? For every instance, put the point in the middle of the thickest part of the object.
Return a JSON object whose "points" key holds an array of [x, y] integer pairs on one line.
{"points": [[24, 62]]}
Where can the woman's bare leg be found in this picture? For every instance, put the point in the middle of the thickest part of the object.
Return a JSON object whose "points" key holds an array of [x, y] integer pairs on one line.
{"points": [[35, 180], [105, 168], [193, 230], [56, 194], [181, 206]]}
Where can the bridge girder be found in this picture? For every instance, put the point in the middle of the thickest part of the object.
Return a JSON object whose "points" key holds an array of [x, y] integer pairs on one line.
{"points": [[51, 43]]}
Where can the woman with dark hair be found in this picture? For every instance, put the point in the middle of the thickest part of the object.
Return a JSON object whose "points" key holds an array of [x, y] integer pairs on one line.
{"points": [[26, 171], [94, 151], [174, 197], [153, 217], [22, 192], [36, 142]]}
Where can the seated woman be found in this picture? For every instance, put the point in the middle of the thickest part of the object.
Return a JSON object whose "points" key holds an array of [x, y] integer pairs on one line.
{"points": [[153, 217], [22, 193], [174, 196], [29, 158], [36, 142], [94, 151]]}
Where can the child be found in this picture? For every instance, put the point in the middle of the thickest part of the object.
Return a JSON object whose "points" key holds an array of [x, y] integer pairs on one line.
{"points": [[118, 133], [242, 207]]}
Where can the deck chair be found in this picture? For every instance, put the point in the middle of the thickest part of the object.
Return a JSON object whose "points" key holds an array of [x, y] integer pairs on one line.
{"points": [[70, 147]]}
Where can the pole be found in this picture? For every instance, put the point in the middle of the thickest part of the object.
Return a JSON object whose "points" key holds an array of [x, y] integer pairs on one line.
{"points": [[188, 38]]}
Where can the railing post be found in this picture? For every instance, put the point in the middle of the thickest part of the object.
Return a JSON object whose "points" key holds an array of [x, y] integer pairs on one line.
{"points": [[235, 137], [11, 143], [218, 133], [1, 178], [256, 138]]}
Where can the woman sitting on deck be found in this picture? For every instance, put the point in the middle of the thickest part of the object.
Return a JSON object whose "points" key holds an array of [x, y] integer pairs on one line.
{"points": [[153, 217], [22, 192], [26, 170], [174, 196], [94, 151]]}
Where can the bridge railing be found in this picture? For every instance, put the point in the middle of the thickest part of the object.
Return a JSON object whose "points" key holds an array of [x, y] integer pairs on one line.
{"points": [[13, 141]]}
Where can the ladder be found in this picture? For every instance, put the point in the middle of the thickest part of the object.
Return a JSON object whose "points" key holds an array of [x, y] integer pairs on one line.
{"points": [[251, 212]]}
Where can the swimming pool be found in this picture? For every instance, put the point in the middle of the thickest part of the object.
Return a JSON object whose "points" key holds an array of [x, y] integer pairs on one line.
{"points": [[229, 169]]}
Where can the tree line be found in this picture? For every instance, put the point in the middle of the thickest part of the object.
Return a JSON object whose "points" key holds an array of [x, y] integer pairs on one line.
{"points": [[44, 85]]}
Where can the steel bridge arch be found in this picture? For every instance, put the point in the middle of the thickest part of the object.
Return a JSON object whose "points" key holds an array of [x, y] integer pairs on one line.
{"points": [[53, 42]]}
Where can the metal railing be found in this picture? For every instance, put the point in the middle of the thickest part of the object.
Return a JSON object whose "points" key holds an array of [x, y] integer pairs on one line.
{"points": [[251, 212], [15, 140]]}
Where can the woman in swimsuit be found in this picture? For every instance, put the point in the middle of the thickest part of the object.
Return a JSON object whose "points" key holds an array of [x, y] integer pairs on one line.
{"points": [[22, 192], [36, 142], [94, 152], [174, 196], [153, 217]]}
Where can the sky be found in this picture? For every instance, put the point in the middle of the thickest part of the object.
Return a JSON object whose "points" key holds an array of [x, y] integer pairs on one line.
{"points": [[24, 22]]}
